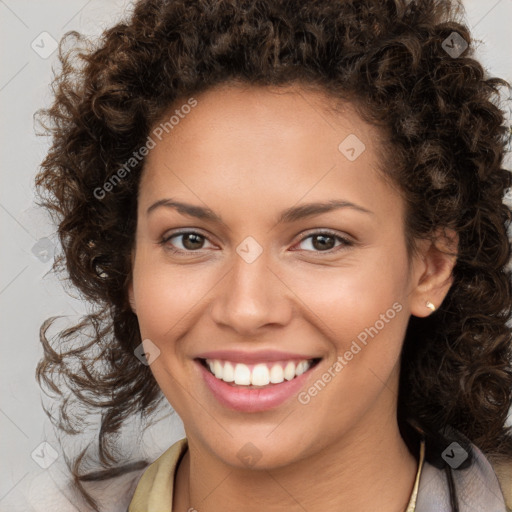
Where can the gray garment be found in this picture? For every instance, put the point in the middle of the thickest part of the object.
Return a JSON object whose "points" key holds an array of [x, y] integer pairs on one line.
{"points": [[477, 488]]}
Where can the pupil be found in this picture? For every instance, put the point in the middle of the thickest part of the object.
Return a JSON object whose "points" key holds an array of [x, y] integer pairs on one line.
{"points": [[323, 244], [193, 241], [190, 239]]}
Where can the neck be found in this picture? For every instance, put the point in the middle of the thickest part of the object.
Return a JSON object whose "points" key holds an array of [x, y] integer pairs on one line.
{"points": [[367, 469]]}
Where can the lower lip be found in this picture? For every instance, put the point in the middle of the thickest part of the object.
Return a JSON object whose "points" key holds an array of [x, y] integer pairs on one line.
{"points": [[246, 399]]}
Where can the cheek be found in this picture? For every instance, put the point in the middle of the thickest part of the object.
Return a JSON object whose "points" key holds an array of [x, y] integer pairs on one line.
{"points": [[165, 294], [349, 298], [364, 321], [362, 310]]}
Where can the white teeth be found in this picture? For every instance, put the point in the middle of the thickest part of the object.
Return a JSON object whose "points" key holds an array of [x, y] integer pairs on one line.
{"points": [[217, 369], [276, 374], [259, 375], [301, 368], [228, 374], [289, 371], [242, 375]]}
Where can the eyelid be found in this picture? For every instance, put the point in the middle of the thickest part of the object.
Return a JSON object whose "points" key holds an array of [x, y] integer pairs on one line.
{"points": [[346, 240], [164, 240]]}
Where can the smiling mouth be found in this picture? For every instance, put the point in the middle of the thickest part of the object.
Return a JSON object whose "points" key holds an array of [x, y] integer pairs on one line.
{"points": [[260, 375]]}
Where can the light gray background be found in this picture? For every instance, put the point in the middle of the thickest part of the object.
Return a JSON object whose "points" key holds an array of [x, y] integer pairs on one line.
{"points": [[28, 295]]}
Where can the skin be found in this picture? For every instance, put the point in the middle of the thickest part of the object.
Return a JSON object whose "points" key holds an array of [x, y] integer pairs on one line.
{"points": [[248, 153]]}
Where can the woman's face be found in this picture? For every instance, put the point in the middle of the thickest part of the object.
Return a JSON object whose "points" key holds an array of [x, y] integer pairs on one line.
{"points": [[289, 248]]}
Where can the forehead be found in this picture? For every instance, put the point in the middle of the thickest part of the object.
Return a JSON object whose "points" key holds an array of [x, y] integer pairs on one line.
{"points": [[241, 109], [264, 140]]}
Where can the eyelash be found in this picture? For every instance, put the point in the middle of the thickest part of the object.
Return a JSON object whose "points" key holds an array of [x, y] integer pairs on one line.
{"points": [[345, 242]]}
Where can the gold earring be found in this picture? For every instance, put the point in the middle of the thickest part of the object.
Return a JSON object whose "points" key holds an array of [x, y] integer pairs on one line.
{"points": [[430, 306]]}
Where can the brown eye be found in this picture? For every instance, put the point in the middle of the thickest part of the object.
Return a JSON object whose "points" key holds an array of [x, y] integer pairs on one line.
{"points": [[324, 242], [192, 241], [188, 241]]}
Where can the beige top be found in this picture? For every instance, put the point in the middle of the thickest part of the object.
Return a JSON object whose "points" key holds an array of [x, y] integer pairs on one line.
{"points": [[154, 492]]}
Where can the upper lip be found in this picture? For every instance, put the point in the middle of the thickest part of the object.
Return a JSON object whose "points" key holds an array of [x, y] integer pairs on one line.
{"points": [[242, 356]]}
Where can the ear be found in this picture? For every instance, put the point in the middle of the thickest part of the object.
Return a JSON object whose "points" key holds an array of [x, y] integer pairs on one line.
{"points": [[432, 271]]}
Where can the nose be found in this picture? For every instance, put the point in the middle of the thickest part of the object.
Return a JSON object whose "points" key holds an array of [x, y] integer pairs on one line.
{"points": [[252, 297]]}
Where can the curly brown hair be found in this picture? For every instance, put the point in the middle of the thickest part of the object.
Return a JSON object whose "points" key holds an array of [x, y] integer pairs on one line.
{"points": [[447, 137]]}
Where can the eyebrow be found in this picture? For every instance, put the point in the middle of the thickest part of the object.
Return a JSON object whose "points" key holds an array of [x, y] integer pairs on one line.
{"points": [[289, 215]]}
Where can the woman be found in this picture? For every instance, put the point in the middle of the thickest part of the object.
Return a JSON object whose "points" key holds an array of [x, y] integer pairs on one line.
{"points": [[290, 218]]}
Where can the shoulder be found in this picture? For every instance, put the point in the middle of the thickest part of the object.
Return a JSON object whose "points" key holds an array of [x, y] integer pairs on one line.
{"points": [[131, 490], [53, 490], [484, 485], [155, 486], [503, 470], [481, 483]]}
